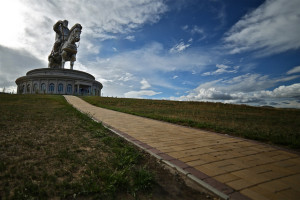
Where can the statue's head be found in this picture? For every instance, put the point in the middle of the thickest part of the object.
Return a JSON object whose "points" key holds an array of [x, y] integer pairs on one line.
{"points": [[65, 22]]}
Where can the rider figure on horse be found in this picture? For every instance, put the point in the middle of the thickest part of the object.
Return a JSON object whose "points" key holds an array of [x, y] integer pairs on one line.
{"points": [[64, 48], [62, 33]]}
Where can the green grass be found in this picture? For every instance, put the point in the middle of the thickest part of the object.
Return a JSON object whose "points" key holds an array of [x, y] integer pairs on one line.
{"points": [[50, 150], [270, 125]]}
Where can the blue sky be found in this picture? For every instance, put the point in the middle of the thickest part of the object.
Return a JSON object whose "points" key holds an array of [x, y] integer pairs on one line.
{"points": [[244, 52]]}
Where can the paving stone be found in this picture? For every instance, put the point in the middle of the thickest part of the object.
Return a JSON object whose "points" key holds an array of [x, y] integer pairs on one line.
{"points": [[205, 158], [277, 172], [290, 194], [274, 186], [197, 162], [240, 184], [228, 155], [233, 167], [226, 178], [210, 169], [258, 194], [188, 158], [296, 160], [292, 181], [250, 176], [238, 196]]}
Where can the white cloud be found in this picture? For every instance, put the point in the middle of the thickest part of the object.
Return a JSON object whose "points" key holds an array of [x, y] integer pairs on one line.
{"points": [[271, 28], [140, 94], [145, 84], [222, 69], [294, 70], [12, 23], [149, 62], [279, 94], [248, 83], [174, 77], [193, 30], [9, 89], [130, 38], [248, 88], [283, 92], [151, 59], [27, 27], [185, 27], [179, 47], [28, 24], [288, 78], [197, 30], [126, 77]]}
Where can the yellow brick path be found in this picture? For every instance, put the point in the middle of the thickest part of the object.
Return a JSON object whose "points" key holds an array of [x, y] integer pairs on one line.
{"points": [[253, 169]]}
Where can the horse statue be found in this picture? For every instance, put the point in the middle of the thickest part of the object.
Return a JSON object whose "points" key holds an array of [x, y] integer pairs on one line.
{"points": [[65, 48], [69, 48]]}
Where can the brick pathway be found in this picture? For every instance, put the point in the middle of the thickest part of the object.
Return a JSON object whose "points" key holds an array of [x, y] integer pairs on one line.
{"points": [[239, 168]]}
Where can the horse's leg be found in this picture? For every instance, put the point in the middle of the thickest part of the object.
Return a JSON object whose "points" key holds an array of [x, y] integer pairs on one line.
{"points": [[71, 64], [73, 59], [50, 62], [63, 57]]}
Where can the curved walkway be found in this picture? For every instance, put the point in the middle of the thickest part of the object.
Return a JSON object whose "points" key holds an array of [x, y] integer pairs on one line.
{"points": [[238, 168]]}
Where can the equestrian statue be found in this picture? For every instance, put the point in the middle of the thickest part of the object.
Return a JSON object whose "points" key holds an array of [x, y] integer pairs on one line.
{"points": [[64, 48]]}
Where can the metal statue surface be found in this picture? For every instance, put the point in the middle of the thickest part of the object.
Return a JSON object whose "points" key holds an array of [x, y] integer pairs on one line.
{"points": [[64, 48]]}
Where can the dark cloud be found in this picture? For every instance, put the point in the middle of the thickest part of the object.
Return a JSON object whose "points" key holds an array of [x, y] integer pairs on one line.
{"points": [[15, 63], [220, 96], [274, 104]]}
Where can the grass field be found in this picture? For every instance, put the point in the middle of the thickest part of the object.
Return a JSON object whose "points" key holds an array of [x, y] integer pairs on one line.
{"points": [[49, 150], [270, 125]]}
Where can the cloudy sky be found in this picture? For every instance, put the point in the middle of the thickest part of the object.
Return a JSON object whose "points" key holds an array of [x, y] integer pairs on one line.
{"points": [[198, 50]]}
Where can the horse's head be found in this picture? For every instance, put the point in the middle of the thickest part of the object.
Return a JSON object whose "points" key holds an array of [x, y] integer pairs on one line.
{"points": [[75, 33]]}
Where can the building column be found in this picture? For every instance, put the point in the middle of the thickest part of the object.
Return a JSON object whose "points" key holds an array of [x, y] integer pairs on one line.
{"points": [[65, 87], [31, 87], [39, 87], [56, 88], [77, 89], [47, 87], [73, 87]]}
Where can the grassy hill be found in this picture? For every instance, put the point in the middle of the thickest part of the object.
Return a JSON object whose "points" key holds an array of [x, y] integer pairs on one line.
{"points": [[270, 125], [49, 150]]}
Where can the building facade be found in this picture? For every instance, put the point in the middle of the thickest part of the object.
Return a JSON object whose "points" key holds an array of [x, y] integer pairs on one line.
{"points": [[58, 81]]}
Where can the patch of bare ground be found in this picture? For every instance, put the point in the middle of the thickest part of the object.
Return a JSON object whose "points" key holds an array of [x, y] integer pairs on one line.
{"points": [[48, 150]]}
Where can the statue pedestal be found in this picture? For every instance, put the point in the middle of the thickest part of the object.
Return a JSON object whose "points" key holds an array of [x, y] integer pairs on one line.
{"points": [[58, 81]]}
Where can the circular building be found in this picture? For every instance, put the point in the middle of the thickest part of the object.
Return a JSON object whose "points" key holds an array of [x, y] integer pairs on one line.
{"points": [[58, 81]]}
